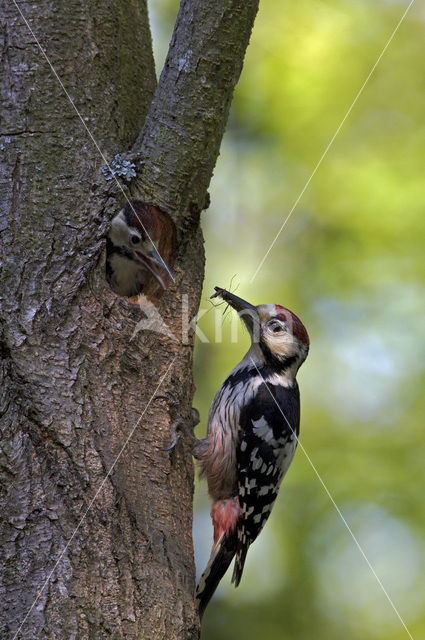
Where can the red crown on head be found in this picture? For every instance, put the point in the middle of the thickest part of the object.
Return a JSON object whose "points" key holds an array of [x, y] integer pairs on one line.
{"points": [[143, 217], [296, 326]]}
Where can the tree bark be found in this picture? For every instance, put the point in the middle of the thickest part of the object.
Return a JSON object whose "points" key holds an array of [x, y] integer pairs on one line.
{"points": [[96, 529]]}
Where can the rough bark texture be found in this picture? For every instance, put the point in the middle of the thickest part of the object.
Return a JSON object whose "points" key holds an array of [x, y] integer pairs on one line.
{"points": [[105, 546]]}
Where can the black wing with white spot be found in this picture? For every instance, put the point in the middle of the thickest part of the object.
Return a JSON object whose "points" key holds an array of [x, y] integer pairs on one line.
{"points": [[269, 427]]}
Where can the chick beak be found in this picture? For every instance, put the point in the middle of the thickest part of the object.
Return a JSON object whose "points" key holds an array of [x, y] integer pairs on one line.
{"points": [[246, 311], [154, 263]]}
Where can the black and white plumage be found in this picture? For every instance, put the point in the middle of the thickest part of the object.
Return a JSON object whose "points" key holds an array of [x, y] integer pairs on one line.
{"points": [[252, 434]]}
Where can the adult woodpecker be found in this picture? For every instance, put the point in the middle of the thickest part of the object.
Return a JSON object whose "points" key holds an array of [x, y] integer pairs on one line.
{"points": [[140, 250], [252, 434]]}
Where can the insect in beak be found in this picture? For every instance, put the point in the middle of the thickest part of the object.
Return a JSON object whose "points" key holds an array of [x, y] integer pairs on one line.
{"points": [[246, 311]]}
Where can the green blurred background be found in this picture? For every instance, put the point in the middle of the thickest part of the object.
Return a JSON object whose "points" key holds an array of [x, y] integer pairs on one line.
{"points": [[350, 263]]}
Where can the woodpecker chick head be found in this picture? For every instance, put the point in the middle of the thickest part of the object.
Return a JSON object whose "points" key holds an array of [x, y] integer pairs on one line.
{"points": [[280, 334], [140, 242]]}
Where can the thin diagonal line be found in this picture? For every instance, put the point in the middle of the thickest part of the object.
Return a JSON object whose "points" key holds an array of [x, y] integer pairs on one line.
{"points": [[335, 505], [90, 134], [94, 498], [331, 141]]}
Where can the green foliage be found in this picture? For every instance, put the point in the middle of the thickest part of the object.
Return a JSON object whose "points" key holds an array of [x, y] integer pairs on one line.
{"points": [[350, 262]]}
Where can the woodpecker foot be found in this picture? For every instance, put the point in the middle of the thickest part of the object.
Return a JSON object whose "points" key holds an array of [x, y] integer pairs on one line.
{"points": [[175, 427], [181, 425], [170, 398], [196, 418]]}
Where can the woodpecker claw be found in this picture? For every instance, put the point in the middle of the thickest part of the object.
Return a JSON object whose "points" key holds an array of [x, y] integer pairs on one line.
{"points": [[169, 397], [175, 435], [196, 418], [179, 425]]}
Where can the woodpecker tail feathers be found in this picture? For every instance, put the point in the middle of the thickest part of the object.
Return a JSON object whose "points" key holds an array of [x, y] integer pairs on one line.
{"points": [[222, 555], [239, 564]]}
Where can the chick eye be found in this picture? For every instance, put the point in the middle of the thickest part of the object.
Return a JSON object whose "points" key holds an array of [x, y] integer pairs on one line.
{"points": [[135, 239]]}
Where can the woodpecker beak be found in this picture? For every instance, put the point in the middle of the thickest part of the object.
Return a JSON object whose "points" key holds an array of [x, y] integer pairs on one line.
{"points": [[154, 263], [246, 311]]}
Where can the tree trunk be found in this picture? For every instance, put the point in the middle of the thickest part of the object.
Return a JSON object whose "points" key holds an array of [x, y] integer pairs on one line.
{"points": [[96, 529]]}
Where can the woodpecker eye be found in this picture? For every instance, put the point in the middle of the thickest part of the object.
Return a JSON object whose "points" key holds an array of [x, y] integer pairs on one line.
{"points": [[276, 327], [135, 239]]}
